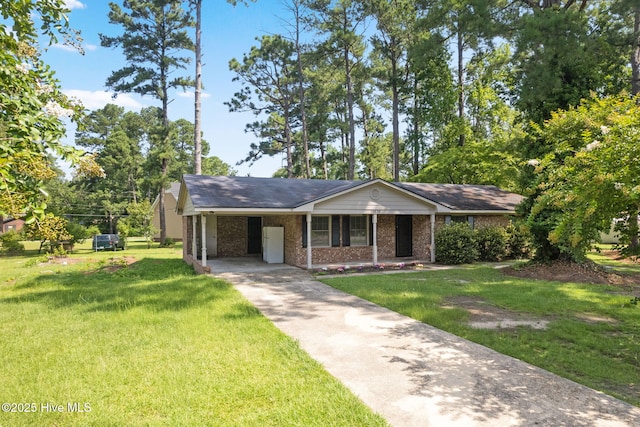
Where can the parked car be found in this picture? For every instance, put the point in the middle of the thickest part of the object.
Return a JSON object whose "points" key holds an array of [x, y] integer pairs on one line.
{"points": [[107, 241]]}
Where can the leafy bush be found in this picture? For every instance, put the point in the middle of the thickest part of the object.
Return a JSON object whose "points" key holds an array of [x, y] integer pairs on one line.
{"points": [[168, 243], [78, 232], [10, 242], [455, 244], [518, 241], [491, 243]]}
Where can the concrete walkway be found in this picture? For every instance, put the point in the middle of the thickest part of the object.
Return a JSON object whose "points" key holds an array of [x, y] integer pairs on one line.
{"points": [[409, 372]]}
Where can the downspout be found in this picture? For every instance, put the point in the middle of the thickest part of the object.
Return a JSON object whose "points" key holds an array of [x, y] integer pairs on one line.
{"points": [[309, 249]]}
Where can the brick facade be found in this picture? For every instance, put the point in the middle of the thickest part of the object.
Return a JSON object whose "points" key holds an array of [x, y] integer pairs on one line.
{"points": [[232, 238]]}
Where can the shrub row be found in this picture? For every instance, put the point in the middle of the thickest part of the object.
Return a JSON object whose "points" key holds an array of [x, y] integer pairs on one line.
{"points": [[458, 244]]}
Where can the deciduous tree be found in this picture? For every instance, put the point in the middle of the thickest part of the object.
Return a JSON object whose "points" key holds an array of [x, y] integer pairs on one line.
{"points": [[32, 106], [590, 176]]}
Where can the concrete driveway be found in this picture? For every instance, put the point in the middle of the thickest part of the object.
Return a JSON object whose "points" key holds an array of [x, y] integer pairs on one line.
{"points": [[411, 373]]}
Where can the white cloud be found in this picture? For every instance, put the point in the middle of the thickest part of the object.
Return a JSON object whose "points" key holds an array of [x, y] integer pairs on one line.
{"points": [[65, 47], [93, 100], [191, 94], [69, 48], [74, 4]]}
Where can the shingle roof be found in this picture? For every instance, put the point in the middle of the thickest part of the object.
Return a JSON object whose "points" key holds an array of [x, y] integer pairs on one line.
{"points": [[465, 197], [174, 189], [249, 192], [216, 192]]}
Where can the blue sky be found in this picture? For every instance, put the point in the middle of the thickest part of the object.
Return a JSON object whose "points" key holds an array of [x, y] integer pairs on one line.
{"points": [[228, 32]]}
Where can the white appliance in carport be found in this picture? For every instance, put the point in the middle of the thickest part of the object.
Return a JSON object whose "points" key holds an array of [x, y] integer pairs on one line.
{"points": [[273, 245]]}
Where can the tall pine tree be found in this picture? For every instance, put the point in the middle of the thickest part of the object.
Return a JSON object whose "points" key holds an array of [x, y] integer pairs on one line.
{"points": [[153, 41]]}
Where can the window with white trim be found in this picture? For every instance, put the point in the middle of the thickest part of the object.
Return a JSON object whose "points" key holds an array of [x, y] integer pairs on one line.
{"points": [[460, 218], [358, 230], [320, 231]]}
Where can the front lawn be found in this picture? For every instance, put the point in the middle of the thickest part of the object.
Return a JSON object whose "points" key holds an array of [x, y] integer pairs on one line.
{"points": [[135, 338], [592, 333]]}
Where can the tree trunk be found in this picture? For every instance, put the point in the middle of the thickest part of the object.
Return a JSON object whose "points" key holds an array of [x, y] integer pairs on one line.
{"points": [[350, 118], [395, 119], [288, 142], [460, 84], [635, 55], [197, 132], [416, 127], [305, 133], [325, 167]]}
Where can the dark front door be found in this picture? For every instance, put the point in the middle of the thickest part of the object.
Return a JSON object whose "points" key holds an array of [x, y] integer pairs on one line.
{"points": [[404, 232], [254, 232]]}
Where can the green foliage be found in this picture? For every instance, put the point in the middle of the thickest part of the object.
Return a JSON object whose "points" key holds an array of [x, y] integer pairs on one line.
{"points": [[78, 232], [168, 243], [561, 57], [139, 222], [455, 244], [518, 243], [214, 165], [473, 163], [33, 106], [10, 243], [491, 243], [48, 228], [589, 177]]}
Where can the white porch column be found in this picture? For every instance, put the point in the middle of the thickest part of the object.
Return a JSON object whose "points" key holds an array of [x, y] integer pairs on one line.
{"points": [[309, 249], [194, 240], [374, 221], [433, 237], [203, 227]]}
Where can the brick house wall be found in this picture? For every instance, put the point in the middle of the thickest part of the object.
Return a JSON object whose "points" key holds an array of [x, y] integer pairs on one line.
{"points": [[386, 233], [232, 236]]}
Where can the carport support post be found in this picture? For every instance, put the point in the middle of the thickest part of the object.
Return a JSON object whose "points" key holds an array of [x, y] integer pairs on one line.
{"points": [[203, 226], [194, 240], [374, 221], [309, 249], [433, 238]]}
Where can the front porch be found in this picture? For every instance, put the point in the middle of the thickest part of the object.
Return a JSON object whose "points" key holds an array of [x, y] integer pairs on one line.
{"points": [[403, 239], [255, 264]]}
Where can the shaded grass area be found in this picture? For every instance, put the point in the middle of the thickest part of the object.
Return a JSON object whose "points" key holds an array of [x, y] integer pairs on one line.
{"points": [[593, 336], [150, 343], [607, 255]]}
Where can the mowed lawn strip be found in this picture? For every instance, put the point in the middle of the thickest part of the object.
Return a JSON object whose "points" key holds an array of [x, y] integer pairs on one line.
{"points": [[135, 338], [593, 334]]}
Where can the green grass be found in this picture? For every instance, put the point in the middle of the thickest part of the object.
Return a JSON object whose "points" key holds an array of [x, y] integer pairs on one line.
{"points": [[619, 266], [604, 355], [152, 344]]}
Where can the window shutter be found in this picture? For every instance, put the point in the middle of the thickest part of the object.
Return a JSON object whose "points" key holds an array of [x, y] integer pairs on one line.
{"points": [[304, 231], [470, 219], [335, 230], [346, 230]]}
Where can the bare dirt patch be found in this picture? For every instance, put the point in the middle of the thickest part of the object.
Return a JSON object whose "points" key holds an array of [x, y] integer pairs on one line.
{"points": [[118, 263], [484, 315], [63, 261], [562, 271]]}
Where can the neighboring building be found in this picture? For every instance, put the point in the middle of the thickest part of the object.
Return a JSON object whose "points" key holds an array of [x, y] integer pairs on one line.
{"points": [[9, 224], [327, 222], [173, 221]]}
